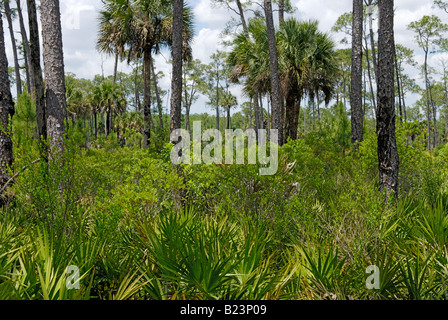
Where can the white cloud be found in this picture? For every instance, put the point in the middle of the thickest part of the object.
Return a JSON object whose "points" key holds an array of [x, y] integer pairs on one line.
{"points": [[82, 58]]}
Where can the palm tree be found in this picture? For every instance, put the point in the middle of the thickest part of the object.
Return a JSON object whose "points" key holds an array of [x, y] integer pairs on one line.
{"points": [[109, 100], [139, 29], [228, 100], [307, 66], [277, 105], [54, 73], [250, 60], [6, 111]]}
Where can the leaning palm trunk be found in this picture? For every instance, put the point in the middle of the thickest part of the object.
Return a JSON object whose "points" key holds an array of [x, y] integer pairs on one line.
{"points": [[6, 111], [54, 74]]}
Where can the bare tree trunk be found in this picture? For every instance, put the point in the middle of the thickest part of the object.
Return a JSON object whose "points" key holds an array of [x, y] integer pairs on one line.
{"points": [[241, 11], [156, 90], [147, 97], [397, 76], [277, 121], [26, 48], [115, 68], [292, 117], [36, 72], [6, 111], [388, 160], [434, 118], [372, 39], [281, 11], [357, 116], [14, 47], [372, 92], [54, 74], [428, 112], [176, 83], [403, 98]]}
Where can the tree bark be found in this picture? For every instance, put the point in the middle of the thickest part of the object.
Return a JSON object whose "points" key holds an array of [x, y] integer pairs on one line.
{"points": [[6, 111], [36, 72], [147, 119], [176, 83], [357, 116], [53, 57], [372, 40], [388, 160], [27, 48], [14, 48], [434, 118], [397, 77], [277, 119], [241, 11], [428, 112], [372, 92], [292, 116], [156, 90], [281, 11]]}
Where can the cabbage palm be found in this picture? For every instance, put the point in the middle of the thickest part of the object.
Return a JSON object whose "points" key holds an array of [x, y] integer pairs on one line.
{"points": [[307, 65], [110, 100], [139, 28], [250, 60]]}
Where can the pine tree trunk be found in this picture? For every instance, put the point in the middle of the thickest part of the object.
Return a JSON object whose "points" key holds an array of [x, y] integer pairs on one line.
{"points": [[397, 77], [6, 111], [277, 119], [54, 73], [372, 92], [281, 11], [357, 117], [428, 112], [388, 160], [36, 72], [14, 48], [147, 97], [434, 118], [372, 41], [27, 48], [176, 84], [256, 114], [156, 90], [241, 12]]}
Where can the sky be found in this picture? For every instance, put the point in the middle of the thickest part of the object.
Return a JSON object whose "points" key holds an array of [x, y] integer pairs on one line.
{"points": [[79, 30]]}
